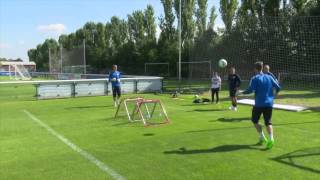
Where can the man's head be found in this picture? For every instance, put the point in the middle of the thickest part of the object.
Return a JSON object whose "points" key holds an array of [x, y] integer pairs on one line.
{"points": [[266, 68], [232, 70], [258, 66], [114, 67]]}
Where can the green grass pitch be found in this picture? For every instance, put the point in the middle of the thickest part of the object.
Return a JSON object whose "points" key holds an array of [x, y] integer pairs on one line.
{"points": [[202, 142]]}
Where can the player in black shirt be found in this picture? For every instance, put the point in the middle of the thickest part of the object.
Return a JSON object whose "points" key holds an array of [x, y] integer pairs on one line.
{"points": [[234, 84]]}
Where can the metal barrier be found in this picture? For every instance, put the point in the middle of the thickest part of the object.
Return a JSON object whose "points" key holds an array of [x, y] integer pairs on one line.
{"points": [[90, 87]]}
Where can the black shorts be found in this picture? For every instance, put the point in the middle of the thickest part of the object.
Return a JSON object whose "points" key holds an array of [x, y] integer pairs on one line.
{"points": [[214, 90], [232, 92], [267, 114], [116, 90]]}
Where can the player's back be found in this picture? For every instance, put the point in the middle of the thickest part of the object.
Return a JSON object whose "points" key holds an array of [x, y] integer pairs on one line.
{"points": [[263, 90]]}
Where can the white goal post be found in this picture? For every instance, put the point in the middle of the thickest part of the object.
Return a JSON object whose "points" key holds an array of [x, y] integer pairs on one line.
{"points": [[197, 69], [20, 72]]}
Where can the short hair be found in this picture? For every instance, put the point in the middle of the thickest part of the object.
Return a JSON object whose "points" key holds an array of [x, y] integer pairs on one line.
{"points": [[258, 65]]}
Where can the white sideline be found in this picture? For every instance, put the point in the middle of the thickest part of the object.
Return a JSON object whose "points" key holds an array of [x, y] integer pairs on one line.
{"points": [[77, 149]]}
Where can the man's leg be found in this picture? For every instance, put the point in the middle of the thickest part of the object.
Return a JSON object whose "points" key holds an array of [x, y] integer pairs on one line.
{"points": [[256, 113], [217, 94], [234, 101], [270, 132], [119, 95], [267, 114], [114, 94], [212, 95]]}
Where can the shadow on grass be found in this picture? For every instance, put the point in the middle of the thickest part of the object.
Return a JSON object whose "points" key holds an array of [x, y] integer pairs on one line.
{"points": [[218, 149], [234, 119], [315, 109], [247, 127], [88, 107], [206, 110], [314, 94], [289, 159], [148, 134]]}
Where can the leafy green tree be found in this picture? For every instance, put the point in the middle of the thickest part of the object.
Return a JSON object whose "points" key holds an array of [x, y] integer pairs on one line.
{"points": [[212, 18], [228, 9], [40, 55], [168, 31], [201, 16], [272, 7], [187, 20], [150, 24]]}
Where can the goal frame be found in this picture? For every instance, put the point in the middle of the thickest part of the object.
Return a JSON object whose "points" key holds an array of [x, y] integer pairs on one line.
{"points": [[137, 109], [196, 62], [18, 72], [161, 63]]}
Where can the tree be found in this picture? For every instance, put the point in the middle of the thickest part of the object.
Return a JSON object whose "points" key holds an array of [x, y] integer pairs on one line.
{"points": [[150, 23], [228, 9], [40, 55], [298, 5], [201, 15], [168, 31], [272, 7], [212, 18], [187, 21]]}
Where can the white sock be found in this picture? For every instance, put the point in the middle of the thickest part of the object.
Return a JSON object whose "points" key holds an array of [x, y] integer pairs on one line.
{"points": [[262, 137], [271, 137]]}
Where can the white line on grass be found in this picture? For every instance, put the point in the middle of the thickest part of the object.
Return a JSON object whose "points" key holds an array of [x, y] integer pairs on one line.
{"points": [[77, 149]]}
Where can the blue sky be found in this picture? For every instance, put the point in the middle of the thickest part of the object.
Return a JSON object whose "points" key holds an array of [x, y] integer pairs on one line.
{"points": [[26, 23]]}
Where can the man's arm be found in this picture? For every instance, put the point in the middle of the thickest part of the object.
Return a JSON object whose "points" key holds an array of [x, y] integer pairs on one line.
{"points": [[276, 85], [238, 81], [109, 76], [251, 88]]}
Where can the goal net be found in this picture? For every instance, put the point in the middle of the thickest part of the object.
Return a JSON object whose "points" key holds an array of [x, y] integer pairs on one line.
{"points": [[157, 69], [63, 60], [195, 69], [148, 111], [289, 45], [20, 72]]}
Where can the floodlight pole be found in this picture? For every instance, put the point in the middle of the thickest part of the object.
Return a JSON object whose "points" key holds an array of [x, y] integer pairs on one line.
{"points": [[179, 64], [61, 71], [84, 57], [50, 66]]}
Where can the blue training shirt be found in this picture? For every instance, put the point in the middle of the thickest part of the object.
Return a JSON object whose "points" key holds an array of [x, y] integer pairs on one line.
{"points": [[262, 85], [117, 76], [272, 75]]}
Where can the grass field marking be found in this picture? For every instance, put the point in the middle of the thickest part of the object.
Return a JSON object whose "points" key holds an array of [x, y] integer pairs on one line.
{"points": [[77, 149]]}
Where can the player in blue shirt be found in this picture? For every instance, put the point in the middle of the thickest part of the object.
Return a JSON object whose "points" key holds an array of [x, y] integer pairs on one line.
{"points": [[262, 85], [114, 78]]}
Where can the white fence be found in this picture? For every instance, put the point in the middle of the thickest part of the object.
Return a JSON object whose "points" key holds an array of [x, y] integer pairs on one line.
{"points": [[91, 87]]}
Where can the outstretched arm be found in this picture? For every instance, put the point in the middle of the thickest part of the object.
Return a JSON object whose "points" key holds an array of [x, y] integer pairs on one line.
{"points": [[251, 88], [276, 85]]}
